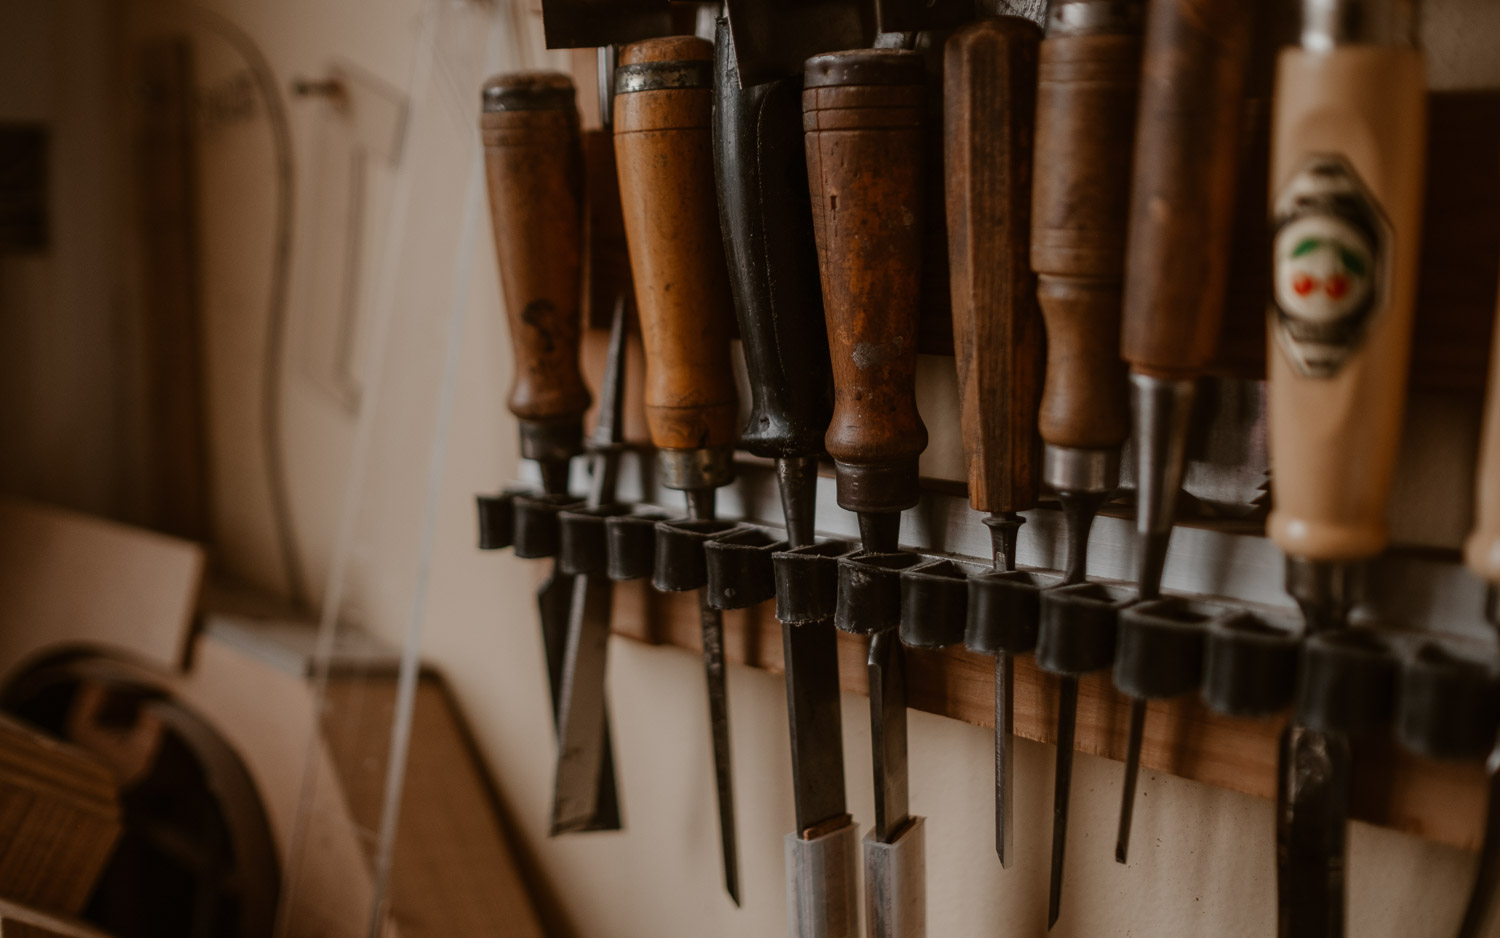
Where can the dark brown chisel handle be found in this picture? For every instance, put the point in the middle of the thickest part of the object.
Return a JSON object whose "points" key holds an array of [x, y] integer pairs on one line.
{"points": [[864, 165], [534, 166], [989, 102], [1181, 225], [664, 156], [1086, 98]]}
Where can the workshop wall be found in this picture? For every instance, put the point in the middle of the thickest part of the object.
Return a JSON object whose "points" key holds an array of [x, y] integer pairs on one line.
{"points": [[1204, 864]]}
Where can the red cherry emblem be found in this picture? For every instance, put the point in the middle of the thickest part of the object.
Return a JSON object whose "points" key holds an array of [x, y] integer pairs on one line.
{"points": [[1338, 285], [1303, 284]]}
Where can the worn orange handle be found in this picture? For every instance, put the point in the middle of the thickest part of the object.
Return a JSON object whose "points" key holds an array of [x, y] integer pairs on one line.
{"points": [[534, 167], [664, 156], [989, 101], [863, 115], [1086, 101]]}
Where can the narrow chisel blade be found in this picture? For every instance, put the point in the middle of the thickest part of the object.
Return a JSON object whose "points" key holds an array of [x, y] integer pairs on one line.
{"points": [[1311, 820], [718, 711], [583, 751], [888, 734], [812, 696], [1005, 829], [1067, 721], [1132, 772]]}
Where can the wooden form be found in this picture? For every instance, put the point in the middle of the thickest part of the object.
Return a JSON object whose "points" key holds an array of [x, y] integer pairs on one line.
{"points": [[1443, 802]]}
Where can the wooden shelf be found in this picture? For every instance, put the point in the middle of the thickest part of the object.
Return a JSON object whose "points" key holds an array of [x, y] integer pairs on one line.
{"points": [[1443, 802]]}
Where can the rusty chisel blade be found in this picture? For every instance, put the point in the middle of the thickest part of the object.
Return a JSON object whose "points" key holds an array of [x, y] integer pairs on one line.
{"points": [[1311, 819]]}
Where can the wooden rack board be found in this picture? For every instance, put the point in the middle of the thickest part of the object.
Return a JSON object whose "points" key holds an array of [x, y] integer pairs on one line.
{"points": [[1439, 801]]}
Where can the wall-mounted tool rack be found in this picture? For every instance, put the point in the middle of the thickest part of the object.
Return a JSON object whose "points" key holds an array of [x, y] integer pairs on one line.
{"points": [[1435, 799]]}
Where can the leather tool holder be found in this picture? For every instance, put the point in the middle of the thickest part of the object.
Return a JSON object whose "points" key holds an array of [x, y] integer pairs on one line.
{"points": [[1159, 646], [935, 602], [740, 571], [807, 581], [497, 518], [583, 548], [1449, 701], [1005, 609], [631, 543], [535, 528], [1078, 625], [1250, 664], [680, 563], [869, 595], [1346, 682]]}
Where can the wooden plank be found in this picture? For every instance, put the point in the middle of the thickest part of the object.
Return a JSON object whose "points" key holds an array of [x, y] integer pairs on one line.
{"points": [[1443, 802], [70, 581], [20, 921]]}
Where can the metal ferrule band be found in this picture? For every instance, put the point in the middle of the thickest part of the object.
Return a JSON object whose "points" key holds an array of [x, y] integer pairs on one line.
{"points": [[660, 76], [1327, 24], [1095, 18]]}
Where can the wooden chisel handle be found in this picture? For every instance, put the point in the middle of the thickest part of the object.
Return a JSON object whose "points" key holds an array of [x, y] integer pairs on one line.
{"points": [[989, 92], [1088, 78], [534, 166], [862, 113], [664, 156], [1482, 549], [1182, 200], [1348, 142], [763, 212]]}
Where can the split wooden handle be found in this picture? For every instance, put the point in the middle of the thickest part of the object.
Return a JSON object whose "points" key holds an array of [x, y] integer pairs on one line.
{"points": [[534, 167], [989, 101], [1183, 197], [1086, 101], [1348, 144], [664, 156], [863, 121]]}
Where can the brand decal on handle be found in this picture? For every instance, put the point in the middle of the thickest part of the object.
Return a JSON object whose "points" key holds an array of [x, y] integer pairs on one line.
{"points": [[1328, 245]]}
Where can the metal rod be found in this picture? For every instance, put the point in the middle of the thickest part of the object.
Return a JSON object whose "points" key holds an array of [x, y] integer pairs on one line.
{"points": [[1067, 718], [888, 734], [1005, 836], [1132, 770]]}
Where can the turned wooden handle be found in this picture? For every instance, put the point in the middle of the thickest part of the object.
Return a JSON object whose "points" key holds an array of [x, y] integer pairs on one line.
{"points": [[1348, 144], [1482, 549], [862, 114], [664, 156], [534, 166], [1182, 200], [1085, 125], [989, 101]]}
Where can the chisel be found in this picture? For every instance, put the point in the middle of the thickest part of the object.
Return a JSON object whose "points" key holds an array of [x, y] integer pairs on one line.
{"points": [[664, 157], [863, 114], [989, 77], [773, 268], [1187, 138], [1089, 72], [1482, 555], [534, 169], [1347, 148]]}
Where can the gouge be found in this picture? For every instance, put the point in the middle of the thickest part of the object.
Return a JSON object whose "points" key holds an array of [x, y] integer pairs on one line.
{"points": [[863, 119], [989, 92], [1348, 141], [1482, 554], [664, 157], [534, 168], [773, 267], [1181, 216], [1087, 84]]}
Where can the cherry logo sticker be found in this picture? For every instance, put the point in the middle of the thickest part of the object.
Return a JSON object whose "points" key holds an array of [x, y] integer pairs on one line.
{"points": [[1328, 244]]}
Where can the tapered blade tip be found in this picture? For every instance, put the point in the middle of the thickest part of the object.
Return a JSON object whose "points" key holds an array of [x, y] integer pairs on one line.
{"points": [[1121, 849]]}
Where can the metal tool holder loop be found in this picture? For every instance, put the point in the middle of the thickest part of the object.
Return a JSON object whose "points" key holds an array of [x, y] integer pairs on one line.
{"points": [[631, 543], [1078, 624], [1005, 610], [535, 527], [583, 546], [807, 580], [1159, 646], [1346, 682], [1250, 664], [497, 517], [935, 602], [740, 572], [680, 564], [869, 594], [1449, 699]]}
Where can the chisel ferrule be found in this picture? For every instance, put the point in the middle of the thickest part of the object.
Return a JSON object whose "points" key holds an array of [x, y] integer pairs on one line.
{"points": [[1330, 23], [1072, 469], [695, 469], [1162, 409], [1094, 18], [1325, 590], [551, 440]]}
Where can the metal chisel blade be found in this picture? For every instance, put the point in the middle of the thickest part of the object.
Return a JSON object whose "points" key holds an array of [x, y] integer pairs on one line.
{"points": [[888, 734], [1482, 896], [1005, 828], [582, 723], [1067, 721], [1311, 820], [812, 697], [712, 622]]}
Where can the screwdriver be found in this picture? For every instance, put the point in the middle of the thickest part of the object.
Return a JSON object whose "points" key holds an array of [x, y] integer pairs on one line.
{"points": [[534, 169], [1088, 77], [1482, 554], [989, 77], [664, 156], [767, 226], [863, 114], [1182, 208], [1348, 142]]}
